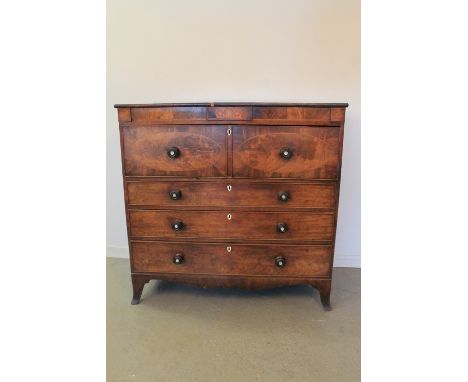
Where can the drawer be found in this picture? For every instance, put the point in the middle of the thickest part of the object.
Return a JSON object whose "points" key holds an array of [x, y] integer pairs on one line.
{"points": [[300, 226], [231, 259], [192, 151], [286, 152], [231, 194]]}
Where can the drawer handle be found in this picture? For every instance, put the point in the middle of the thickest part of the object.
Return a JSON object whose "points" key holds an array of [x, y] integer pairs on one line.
{"points": [[178, 259], [285, 153], [175, 194], [282, 227], [283, 196], [280, 262], [173, 153], [178, 225]]}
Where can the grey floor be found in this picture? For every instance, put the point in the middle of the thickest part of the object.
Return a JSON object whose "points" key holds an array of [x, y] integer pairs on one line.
{"points": [[185, 334]]}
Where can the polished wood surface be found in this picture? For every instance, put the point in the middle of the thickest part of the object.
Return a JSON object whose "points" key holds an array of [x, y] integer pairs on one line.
{"points": [[304, 226], [232, 259], [314, 152], [202, 150], [332, 105], [233, 194], [252, 187], [228, 112]]}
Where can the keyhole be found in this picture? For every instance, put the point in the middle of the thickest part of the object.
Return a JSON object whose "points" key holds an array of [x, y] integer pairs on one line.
{"points": [[229, 216], [229, 188], [228, 249]]}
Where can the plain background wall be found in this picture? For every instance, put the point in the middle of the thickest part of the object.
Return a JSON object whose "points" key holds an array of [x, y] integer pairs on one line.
{"points": [[236, 50]]}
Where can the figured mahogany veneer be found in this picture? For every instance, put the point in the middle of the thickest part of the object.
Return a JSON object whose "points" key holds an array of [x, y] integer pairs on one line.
{"points": [[202, 151], [232, 194], [314, 152]]}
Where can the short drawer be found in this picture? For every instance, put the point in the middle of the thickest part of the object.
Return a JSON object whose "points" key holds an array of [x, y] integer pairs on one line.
{"points": [[300, 152], [191, 151], [228, 194], [231, 259], [280, 226]]}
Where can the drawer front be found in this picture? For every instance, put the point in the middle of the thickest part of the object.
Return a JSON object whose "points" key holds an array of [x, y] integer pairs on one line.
{"points": [[192, 151], [226, 194], [303, 226], [286, 152], [231, 259]]}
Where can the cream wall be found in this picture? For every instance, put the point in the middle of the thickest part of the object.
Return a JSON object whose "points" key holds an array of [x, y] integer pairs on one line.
{"points": [[236, 50]]}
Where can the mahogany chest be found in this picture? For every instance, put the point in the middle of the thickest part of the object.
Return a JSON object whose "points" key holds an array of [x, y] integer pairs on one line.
{"points": [[232, 195]]}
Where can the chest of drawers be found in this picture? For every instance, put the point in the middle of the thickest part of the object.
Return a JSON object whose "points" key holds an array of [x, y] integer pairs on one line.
{"points": [[232, 195]]}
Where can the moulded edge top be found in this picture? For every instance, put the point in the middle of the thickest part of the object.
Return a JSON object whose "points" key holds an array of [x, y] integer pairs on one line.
{"points": [[207, 104]]}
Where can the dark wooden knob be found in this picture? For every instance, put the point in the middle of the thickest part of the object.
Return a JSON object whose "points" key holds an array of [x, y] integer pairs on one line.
{"points": [[173, 153], [283, 196], [282, 227], [285, 153], [280, 262], [177, 225], [175, 194], [178, 259]]}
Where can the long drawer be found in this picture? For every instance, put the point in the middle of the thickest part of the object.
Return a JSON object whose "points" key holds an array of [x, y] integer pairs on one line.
{"points": [[226, 194], [284, 226], [231, 259]]}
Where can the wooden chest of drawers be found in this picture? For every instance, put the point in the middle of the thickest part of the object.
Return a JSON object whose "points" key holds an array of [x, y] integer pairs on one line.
{"points": [[233, 195]]}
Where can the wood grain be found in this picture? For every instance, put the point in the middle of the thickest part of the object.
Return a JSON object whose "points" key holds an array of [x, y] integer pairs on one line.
{"points": [[168, 114], [292, 113], [241, 194], [243, 217], [304, 226], [256, 152], [241, 113], [241, 259], [202, 150]]}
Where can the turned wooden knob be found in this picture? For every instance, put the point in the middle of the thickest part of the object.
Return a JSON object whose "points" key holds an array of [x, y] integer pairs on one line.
{"points": [[178, 225], [280, 262], [175, 194], [283, 196], [178, 259], [282, 227], [285, 153], [173, 153]]}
